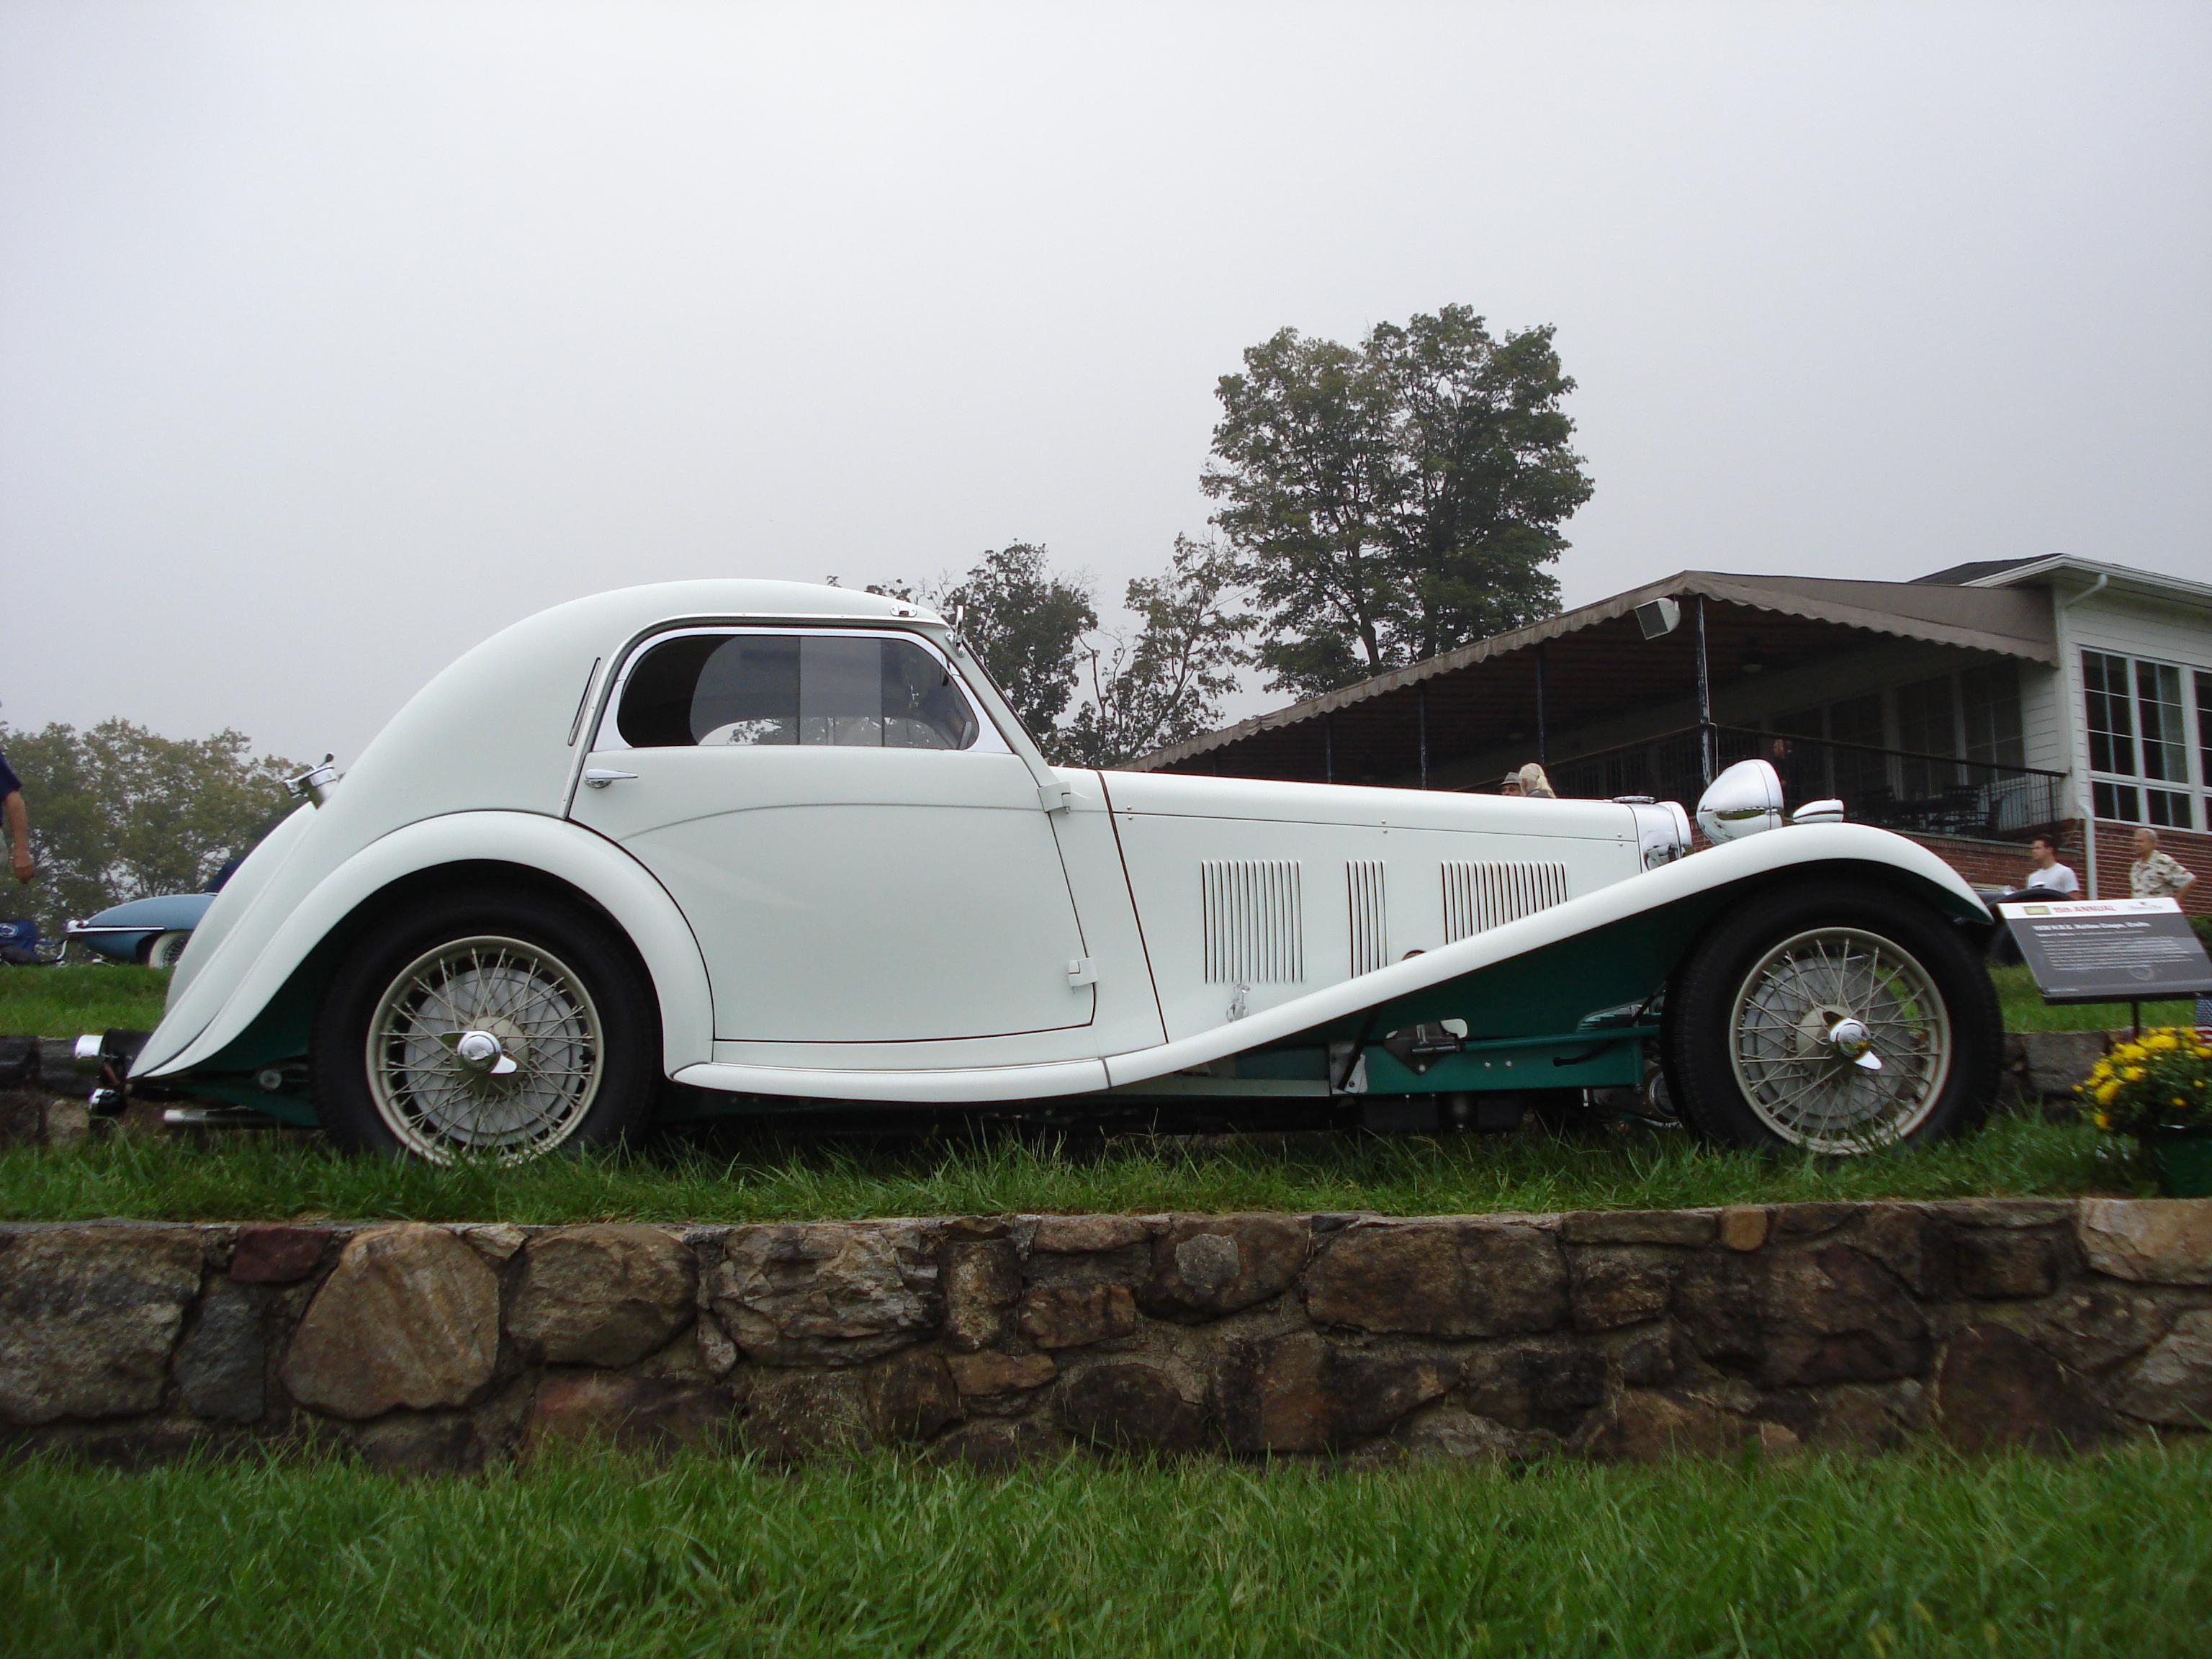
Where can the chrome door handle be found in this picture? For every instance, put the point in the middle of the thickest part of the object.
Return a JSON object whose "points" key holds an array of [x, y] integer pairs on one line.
{"points": [[599, 777]]}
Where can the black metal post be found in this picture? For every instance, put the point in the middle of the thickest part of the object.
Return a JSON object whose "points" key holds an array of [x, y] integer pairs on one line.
{"points": [[1543, 757], [1706, 733], [1423, 697], [1329, 748]]}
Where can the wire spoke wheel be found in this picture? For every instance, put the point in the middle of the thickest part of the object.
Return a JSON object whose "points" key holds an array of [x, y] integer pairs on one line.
{"points": [[486, 1045], [1840, 1040]]}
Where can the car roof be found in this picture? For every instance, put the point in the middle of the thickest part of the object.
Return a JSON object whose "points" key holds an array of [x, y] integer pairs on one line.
{"points": [[630, 608]]}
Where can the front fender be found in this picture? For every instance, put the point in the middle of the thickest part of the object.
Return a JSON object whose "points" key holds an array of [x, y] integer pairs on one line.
{"points": [[1804, 849], [270, 943]]}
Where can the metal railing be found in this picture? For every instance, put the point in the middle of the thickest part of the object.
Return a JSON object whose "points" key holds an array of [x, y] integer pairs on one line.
{"points": [[1892, 788]]}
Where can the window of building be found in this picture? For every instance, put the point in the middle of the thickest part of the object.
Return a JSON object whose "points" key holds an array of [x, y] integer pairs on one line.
{"points": [[2138, 740], [2204, 739], [813, 690], [1861, 771], [1989, 700], [1927, 724]]}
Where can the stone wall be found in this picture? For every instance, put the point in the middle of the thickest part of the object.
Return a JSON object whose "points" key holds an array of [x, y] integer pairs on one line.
{"points": [[2041, 1322]]}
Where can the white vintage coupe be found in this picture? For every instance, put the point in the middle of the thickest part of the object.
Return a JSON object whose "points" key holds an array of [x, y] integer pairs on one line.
{"points": [[775, 843]]}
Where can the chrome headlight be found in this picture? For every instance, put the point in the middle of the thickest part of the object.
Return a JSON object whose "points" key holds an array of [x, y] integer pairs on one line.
{"points": [[1742, 801], [1662, 832]]}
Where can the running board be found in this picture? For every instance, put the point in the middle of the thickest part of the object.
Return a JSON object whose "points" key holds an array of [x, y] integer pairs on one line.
{"points": [[949, 1087]]}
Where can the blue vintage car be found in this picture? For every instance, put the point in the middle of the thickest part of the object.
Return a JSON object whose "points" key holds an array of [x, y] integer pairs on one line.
{"points": [[153, 931]]}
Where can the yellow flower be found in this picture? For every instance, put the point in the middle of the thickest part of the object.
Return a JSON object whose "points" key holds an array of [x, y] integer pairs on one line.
{"points": [[2101, 1119], [2105, 1092]]}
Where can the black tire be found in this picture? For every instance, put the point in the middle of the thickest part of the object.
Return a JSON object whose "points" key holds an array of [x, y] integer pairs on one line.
{"points": [[1751, 1001], [561, 990]]}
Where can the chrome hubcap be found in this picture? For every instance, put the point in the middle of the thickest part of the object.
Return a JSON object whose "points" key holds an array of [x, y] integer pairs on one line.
{"points": [[489, 1045], [1840, 1041], [1851, 1040], [482, 1052]]}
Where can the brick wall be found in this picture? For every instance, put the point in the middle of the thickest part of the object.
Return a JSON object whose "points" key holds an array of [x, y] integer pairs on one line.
{"points": [[2116, 851], [1988, 863]]}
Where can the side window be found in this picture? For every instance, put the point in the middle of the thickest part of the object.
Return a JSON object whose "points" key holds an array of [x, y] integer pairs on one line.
{"points": [[808, 689], [923, 706]]}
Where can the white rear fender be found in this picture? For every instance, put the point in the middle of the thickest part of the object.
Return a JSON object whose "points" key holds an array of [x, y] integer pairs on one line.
{"points": [[273, 937]]}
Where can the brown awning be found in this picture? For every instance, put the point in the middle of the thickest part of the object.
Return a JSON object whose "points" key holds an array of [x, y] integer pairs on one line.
{"points": [[1596, 662]]}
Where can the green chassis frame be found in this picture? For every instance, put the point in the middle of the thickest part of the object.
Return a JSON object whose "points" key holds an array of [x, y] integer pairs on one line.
{"points": [[1571, 1015]]}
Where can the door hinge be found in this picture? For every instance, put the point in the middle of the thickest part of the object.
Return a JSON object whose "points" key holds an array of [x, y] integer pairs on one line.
{"points": [[1054, 797], [1080, 972]]}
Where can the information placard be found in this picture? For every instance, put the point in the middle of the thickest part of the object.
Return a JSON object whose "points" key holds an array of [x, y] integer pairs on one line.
{"points": [[2109, 949]]}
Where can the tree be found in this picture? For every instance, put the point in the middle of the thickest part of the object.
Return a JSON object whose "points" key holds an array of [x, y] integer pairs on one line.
{"points": [[1037, 630], [1023, 620], [119, 812], [1396, 500], [1167, 683]]}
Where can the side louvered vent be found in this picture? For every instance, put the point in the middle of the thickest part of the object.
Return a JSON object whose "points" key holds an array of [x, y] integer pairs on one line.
{"points": [[1255, 921], [1370, 925], [1482, 895]]}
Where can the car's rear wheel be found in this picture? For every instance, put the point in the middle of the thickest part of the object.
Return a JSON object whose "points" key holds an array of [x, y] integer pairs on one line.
{"points": [[1833, 1019], [500, 1027]]}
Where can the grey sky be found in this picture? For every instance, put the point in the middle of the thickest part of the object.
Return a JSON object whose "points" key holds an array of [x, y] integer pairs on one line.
{"points": [[333, 339]]}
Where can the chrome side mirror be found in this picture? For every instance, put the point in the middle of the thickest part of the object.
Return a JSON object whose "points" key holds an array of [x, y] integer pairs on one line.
{"points": [[1742, 801], [315, 783], [1819, 811]]}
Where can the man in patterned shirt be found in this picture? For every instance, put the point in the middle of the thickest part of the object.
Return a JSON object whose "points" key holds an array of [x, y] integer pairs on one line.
{"points": [[2155, 874]]}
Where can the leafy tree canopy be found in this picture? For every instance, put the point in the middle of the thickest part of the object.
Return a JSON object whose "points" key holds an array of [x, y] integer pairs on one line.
{"points": [[1037, 631], [1027, 623], [1164, 683], [1395, 500], [120, 812]]}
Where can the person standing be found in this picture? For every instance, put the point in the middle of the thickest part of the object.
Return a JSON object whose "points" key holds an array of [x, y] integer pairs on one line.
{"points": [[18, 822], [2046, 874], [2155, 874]]}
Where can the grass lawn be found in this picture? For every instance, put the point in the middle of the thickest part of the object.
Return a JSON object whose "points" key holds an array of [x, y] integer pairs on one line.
{"points": [[1916, 1554], [747, 1177], [291, 1175], [2024, 1009], [68, 1002]]}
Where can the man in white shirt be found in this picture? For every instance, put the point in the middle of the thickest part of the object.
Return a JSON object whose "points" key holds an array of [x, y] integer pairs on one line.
{"points": [[2047, 879], [2046, 875]]}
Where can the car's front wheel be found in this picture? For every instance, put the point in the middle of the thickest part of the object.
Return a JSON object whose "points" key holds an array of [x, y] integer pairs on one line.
{"points": [[1831, 1018], [504, 1027]]}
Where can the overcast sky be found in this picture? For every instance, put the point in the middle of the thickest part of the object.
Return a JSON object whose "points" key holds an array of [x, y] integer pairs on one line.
{"points": [[332, 338]]}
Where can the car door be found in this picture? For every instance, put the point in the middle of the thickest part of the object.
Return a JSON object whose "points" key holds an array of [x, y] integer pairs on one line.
{"points": [[861, 857]]}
